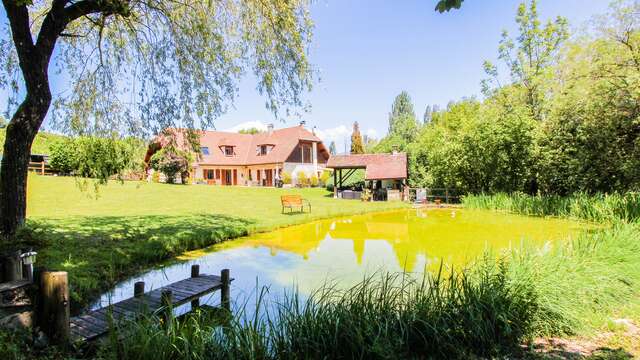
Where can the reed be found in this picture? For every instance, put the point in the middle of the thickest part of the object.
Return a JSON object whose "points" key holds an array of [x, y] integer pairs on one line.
{"points": [[597, 208]]}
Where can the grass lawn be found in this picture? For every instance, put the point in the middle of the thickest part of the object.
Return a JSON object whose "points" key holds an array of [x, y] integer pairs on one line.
{"points": [[101, 237]]}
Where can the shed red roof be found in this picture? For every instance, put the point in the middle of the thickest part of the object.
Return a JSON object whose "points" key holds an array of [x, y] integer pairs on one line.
{"points": [[378, 166]]}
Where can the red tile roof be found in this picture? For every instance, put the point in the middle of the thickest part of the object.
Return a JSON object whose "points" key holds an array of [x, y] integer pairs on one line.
{"points": [[378, 166], [246, 146]]}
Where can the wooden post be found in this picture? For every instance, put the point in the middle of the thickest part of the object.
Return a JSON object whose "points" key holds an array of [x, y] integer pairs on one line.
{"points": [[335, 183], [54, 288], [166, 298], [42, 167], [195, 272], [224, 292], [12, 266], [138, 289], [446, 195]]}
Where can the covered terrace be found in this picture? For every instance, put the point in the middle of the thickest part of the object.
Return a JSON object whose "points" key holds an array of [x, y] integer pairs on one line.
{"points": [[384, 174]]}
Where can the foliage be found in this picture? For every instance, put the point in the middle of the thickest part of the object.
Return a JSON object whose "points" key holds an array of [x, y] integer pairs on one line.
{"points": [[93, 157], [601, 208], [446, 5], [402, 108], [313, 181], [63, 156], [567, 120], [171, 161], [325, 176], [286, 177], [530, 60], [356, 140], [302, 179], [251, 131], [188, 60]]}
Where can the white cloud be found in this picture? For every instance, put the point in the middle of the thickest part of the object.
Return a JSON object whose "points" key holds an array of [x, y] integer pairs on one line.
{"points": [[372, 133], [336, 134], [248, 125]]}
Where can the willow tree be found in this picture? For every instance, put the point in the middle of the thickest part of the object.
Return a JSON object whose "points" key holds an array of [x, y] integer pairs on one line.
{"points": [[139, 66]]}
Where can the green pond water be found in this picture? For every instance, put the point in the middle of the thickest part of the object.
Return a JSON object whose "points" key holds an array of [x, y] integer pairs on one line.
{"points": [[344, 250]]}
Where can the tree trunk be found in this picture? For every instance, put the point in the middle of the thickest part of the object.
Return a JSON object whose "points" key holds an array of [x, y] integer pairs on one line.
{"points": [[15, 161]]}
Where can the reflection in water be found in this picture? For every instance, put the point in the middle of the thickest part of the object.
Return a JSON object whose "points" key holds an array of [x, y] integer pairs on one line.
{"points": [[344, 250]]}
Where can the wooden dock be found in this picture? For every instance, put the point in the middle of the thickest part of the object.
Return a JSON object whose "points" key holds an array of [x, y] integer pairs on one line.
{"points": [[95, 324]]}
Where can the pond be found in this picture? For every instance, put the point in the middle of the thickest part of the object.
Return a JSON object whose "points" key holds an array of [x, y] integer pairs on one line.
{"points": [[344, 250]]}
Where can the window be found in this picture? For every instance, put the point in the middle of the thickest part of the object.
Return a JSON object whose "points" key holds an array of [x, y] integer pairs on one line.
{"points": [[228, 150], [204, 150], [263, 149], [306, 154]]}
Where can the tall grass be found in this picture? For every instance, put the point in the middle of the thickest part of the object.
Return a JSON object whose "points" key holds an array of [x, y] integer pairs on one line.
{"points": [[486, 311], [384, 317], [598, 208]]}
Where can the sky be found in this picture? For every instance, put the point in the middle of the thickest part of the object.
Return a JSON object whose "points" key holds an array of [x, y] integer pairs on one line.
{"points": [[368, 51]]}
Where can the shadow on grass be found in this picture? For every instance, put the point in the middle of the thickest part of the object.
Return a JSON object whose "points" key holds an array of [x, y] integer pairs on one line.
{"points": [[100, 251]]}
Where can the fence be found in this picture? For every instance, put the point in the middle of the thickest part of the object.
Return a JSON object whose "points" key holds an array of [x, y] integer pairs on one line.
{"points": [[41, 167], [426, 195]]}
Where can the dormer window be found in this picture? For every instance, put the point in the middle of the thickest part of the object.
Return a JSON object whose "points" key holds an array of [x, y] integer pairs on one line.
{"points": [[204, 150], [228, 150], [262, 150]]}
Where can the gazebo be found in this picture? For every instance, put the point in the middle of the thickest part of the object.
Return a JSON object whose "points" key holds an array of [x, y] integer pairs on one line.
{"points": [[386, 174]]}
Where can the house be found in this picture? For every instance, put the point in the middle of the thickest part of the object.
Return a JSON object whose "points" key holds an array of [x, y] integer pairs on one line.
{"points": [[260, 159]]}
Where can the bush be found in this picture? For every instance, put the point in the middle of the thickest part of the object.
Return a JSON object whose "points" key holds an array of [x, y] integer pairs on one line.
{"points": [[286, 177], [302, 179], [94, 157], [314, 180], [63, 156], [324, 177]]}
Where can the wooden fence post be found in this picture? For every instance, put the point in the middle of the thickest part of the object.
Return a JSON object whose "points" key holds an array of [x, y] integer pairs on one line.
{"points": [[224, 291], [138, 289], [446, 195], [54, 288], [195, 272], [42, 167]]}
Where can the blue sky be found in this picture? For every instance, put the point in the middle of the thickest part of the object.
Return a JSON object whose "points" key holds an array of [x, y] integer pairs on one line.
{"points": [[367, 51]]}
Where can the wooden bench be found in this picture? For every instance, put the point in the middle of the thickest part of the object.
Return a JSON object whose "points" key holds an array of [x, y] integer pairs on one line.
{"points": [[294, 201]]}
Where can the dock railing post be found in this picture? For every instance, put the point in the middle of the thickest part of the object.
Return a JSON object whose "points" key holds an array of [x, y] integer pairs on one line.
{"points": [[54, 288], [138, 289], [166, 299], [224, 291], [195, 272]]}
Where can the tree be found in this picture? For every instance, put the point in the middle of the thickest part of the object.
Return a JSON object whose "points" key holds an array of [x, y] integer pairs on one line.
{"points": [[3, 122], [332, 148], [179, 62], [401, 107], [356, 140], [428, 115], [530, 58], [170, 161]]}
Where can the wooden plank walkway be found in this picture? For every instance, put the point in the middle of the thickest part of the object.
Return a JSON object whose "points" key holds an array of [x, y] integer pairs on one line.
{"points": [[96, 323]]}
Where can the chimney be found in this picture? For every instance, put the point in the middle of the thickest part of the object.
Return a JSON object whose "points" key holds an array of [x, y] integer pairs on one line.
{"points": [[394, 150], [270, 129], [314, 130], [303, 123]]}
